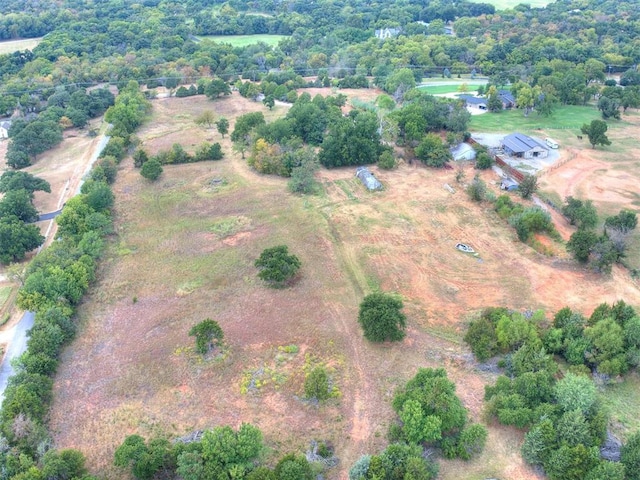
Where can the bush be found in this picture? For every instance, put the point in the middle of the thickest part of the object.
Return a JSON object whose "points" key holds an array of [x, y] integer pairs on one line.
{"points": [[277, 266], [208, 335], [386, 160], [316, 385], [484, 161], [151, 170], [477, 189], [381, 318]]}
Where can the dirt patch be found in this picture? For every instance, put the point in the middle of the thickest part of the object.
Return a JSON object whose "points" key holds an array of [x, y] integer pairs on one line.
{"points": [[131, 369]]}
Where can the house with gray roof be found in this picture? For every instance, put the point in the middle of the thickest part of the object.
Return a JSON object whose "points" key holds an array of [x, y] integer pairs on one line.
{"points": [[384, 33], [474, 102], [367, 179], [523, 146]]}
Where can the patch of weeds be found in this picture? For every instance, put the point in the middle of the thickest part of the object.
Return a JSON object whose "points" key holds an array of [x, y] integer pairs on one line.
{"points": [[311, 363], [289, 349], [254, 380], [345, 187], [228, 226], [189, 287], [122, 250]]}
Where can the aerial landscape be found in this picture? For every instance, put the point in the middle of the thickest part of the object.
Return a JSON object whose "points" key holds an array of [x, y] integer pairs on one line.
{"points": [[342, 240]]}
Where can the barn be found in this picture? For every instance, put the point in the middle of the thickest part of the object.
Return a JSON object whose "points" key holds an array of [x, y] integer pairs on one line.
{"points": [[523, 146]]}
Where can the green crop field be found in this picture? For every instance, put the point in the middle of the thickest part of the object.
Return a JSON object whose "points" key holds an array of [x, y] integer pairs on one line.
{"points": [[17, 45], [569, 117], [244, 40]]}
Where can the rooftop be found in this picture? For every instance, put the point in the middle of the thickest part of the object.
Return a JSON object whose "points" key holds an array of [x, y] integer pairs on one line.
{"points": [[520, 143]]}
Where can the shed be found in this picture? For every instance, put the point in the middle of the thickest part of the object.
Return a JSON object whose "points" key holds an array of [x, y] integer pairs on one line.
{"points": [[463, 151], [523, 146], [4, 129], [367, 179]]}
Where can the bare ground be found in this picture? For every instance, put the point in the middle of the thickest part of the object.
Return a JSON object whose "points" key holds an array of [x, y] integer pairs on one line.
{"points": [[131, 369]]}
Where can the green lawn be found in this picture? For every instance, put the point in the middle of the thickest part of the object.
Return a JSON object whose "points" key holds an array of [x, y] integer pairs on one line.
{"points": [[11, 46], [4, 294], [569, 117], [244, 40], [623, 403], [440, 89], [505, 4]]}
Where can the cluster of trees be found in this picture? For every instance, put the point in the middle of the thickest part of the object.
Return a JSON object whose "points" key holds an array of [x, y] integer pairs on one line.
{"points": [[430, 415], [526, 220], [566, 423], [606, 343], [220, 453], [205, 151], [17, 237], [586, 245]]}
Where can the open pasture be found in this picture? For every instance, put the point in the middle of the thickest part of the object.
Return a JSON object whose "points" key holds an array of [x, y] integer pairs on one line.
{"points": [[184, 251]]}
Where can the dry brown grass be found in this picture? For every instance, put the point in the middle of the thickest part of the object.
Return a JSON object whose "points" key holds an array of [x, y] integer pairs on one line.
{"points": [[130, 369]]}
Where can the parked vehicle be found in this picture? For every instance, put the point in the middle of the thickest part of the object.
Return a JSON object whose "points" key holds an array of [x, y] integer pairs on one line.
{"points": [[551, 143]]}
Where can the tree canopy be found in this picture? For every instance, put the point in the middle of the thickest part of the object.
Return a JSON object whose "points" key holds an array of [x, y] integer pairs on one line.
{"points": [[381, 317]]}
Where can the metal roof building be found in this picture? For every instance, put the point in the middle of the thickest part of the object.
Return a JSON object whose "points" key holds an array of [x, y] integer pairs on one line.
{"points": [[523, 146], [367, 178]]}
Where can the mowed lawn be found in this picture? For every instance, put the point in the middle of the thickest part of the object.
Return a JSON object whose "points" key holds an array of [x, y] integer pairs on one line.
{"points": [[568, 117], [244, 40], [11, 46], [442, 89]]}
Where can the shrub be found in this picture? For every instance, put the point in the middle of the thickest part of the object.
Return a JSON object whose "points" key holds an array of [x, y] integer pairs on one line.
{"points": [[386, 160], [477, 189], [316, 385], [208, 335], [151, 170], [484, 161]]}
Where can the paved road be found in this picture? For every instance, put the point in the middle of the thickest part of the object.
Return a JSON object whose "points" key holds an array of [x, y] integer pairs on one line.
{"points": [[49, 216], [17, 346]]}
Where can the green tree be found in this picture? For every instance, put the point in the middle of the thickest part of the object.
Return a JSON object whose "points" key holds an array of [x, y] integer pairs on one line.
{"points": [[477, 189], [630, 457], [12, 180], [16, 239], [582, 214], [269, 102], [417, 426], [609, 107], [596, 131], [293, 467], [484, 161], [223, 126], [316, 384], [17, 203], [528, 186], [608, 470], [151, 170], [207, 118], [624, 222], [432, 151], [352, 140], [208, 335], [575, 392], [581, 243], [216, 88], [494, 104], [277, 266], [381, 317], [140, 157], [303, 176], [145, 460]]}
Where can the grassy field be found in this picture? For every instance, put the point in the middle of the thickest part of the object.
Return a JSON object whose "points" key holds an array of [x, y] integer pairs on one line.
{"points": [[11, 46], [441, 89], [244, 40], [505, 4], [568, 117], [184, 251]]}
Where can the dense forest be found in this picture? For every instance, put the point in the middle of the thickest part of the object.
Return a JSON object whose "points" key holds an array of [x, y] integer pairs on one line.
{"points": [[565, 51]]}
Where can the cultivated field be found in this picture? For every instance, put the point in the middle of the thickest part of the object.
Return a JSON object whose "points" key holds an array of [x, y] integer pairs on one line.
{"points": [[11, 46], [184, 251]]}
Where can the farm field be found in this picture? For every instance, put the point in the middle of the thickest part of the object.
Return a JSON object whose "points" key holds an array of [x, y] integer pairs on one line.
{"points": [[185, 249], [244, 40], [10, 46]]}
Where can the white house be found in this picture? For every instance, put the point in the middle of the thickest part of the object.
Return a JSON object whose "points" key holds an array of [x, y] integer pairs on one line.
{"points": [[4, 129], [463, 151]]}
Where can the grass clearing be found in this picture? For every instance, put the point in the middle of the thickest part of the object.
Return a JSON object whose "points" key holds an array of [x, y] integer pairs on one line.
{"points": [[244, 40], [623, 403], [5, 293], [569, 117], [11, 46], [443, 89], [508, 4]]}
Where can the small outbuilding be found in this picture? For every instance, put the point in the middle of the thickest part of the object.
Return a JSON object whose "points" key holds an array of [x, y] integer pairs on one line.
{"points": [[368, 179], [508, 184], [523, 146], [463, 151], [4, 129]]}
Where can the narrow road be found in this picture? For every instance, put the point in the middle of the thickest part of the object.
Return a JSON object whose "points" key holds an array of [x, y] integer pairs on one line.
{"points": [[17, 346], [49, 216]]}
